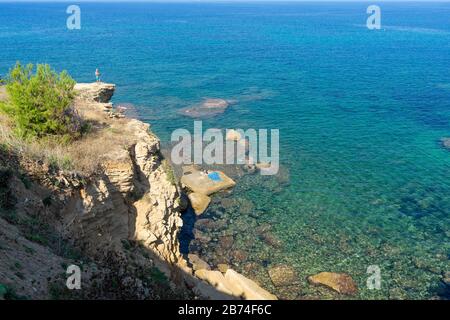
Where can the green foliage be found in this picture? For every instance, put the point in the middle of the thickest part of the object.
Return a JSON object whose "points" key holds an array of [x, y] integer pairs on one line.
{"points": [[40, 102]]}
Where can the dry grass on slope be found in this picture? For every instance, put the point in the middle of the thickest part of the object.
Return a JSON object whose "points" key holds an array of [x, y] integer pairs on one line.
{"points": [[84, 155]]}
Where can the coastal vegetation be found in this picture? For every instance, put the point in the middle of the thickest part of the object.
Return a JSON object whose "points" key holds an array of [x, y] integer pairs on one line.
{"points": [[39, 121], [40, 102]]}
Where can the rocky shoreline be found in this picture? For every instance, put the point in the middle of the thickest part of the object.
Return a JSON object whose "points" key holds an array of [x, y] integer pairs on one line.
{"points": [[130, 202]]}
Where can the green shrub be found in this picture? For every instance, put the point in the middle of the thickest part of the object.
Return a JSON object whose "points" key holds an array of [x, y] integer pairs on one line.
{"points": [[40, 102]]}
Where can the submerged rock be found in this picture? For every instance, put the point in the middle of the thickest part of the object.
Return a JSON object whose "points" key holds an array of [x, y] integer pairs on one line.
{"points": [[339, 282], [226, 242], [239, 256], [282, 275], [208, 108], [446, 143], [200, 236], [270, 239]]}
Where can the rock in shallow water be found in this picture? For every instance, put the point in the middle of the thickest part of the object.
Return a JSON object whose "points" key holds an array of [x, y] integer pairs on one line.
{"points": [[446, 143], [339, 282], [206, 109], [282, 275], [199, 202]]}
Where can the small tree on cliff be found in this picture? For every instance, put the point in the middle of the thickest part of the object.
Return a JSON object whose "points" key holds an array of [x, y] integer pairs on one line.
{"points": [[40, 103]]}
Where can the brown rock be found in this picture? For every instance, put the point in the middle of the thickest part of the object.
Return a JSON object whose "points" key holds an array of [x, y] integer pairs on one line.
{"points": [[339, 282], [199, 202], [282, 275], [226, 242], [198, 235], [239, 256], [271, 240]]}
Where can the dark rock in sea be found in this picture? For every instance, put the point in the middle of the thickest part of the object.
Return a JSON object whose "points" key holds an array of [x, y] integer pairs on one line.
{"points": [[270, 239], [200, 236], [251, 268], [263, 228], [226, 242], [446, 143], [204, 224], [246, 206], [239, 256], [228, 203], [206, 109]]}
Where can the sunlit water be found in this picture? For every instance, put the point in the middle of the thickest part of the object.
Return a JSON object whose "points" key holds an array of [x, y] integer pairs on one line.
{"points": [[364, 179]]}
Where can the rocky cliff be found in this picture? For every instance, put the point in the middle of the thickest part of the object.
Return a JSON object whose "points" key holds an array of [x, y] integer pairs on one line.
{"points": [[133, 197], [117, 203]]}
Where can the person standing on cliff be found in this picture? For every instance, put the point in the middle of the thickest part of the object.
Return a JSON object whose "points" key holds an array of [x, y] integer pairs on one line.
{"points": [[97, 75]]}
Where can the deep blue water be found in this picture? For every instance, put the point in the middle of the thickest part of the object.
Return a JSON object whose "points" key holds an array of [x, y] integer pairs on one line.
{"points": [[364, 178]]}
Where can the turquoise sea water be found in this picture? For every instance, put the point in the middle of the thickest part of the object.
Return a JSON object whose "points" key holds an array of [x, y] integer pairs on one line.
{"points": [[364, 179]]}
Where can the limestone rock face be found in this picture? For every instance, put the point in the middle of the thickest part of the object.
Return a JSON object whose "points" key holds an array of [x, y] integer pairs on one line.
{"points": [[339, 282], [133, 199], [99, 91]]}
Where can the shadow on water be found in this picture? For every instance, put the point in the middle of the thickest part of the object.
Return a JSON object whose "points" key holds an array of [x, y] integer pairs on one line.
{"points": [[187, 231]]}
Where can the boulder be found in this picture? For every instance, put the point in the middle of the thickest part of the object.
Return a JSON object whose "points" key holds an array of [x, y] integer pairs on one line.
{"points": [[339, 282], [282, 275], [200, 182], [226, 242], [239, 256], [270, 239], [199, 202], [241, 286]]}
